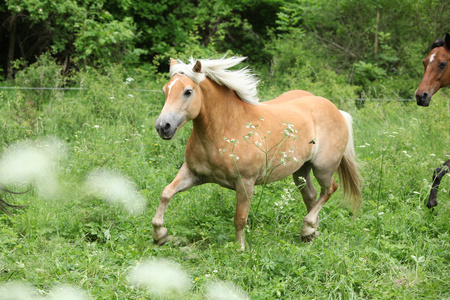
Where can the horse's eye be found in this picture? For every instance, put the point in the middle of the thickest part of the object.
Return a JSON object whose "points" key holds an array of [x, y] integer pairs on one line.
{"points": [[188, 92], [442, 65]]}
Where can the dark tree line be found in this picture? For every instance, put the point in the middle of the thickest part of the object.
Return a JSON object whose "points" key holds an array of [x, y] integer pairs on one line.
{"points": [[371, 38]]}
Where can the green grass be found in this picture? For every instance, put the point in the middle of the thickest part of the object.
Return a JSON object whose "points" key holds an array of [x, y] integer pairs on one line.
{"points": [[395, 247]]}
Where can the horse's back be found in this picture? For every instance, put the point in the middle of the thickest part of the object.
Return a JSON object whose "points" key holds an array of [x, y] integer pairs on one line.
{"points": [[307, 103], [289, 96], [316, 115]]}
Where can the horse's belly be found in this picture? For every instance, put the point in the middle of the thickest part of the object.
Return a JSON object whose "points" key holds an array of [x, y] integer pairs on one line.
{"points": [[279, 172]]}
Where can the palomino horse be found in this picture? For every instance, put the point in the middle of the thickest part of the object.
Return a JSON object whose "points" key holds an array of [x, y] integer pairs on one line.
{"points": [[437, 75], [237, 142]]}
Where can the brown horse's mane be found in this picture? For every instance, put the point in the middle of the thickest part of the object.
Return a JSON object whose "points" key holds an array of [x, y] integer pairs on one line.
{"points": [[437, 43]]}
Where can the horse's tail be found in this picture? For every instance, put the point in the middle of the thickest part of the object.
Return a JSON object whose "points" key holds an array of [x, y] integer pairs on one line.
{"points": [[348, 171], [4, 205]]}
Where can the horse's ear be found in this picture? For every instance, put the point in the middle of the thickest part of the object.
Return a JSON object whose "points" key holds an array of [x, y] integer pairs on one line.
{"points": [[173, 62], [447, 41], [197, 67]]}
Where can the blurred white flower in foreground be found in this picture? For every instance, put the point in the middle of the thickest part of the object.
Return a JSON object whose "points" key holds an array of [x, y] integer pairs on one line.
{"points": [[33, 163], [225, 291], [17, 291], [24, 291], [162, 278], [67, 292], [115, 189]]}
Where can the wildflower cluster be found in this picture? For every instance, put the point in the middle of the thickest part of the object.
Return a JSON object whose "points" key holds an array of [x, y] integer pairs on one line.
{"points": [[286, 157], [129, 80], [255, 137], [286, 197], [233, 143], [391, 134], [289, 131]]}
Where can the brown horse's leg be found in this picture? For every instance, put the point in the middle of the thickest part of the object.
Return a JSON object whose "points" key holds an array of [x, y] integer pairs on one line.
{"points": [[328, 187], [437, 177], [184, 180], [244, 194]]}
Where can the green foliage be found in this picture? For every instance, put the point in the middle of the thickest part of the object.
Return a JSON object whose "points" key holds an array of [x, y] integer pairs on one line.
{"points": [[108, 42], [390, 250], [79, 31], [367, 72], [296, 67]]}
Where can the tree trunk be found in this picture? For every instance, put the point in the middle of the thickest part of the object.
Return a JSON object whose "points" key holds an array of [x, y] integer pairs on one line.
{"points": [[376, 30], [11, 48]]}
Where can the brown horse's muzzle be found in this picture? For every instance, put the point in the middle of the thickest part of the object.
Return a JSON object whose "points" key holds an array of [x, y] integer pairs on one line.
{"points": [[423, 98], [168, 124]]}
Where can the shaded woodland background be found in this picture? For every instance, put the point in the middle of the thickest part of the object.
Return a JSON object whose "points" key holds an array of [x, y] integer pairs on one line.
{"points": [[376, 45]]}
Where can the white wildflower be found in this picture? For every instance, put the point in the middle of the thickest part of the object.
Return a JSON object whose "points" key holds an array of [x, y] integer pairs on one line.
{"points": [[225, 291], [116, 190], [163, 278]]}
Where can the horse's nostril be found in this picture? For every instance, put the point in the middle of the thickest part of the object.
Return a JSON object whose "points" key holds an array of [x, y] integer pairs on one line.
{"points": [[424, 95], [167, 127]]}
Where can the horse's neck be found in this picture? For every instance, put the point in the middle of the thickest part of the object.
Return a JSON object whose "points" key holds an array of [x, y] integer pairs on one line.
{"points": [[221, 110]]}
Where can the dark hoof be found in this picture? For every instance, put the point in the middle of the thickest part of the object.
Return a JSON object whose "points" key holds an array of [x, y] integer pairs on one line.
{"points": [[309, 238], [432, 204]]}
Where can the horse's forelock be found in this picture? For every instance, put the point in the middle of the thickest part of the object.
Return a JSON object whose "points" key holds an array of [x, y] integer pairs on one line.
{"points": [[437, 43], [241, 81], [183, 69]]}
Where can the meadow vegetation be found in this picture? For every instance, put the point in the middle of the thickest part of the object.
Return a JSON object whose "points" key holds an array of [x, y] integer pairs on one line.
{"points": [[394, 248]]}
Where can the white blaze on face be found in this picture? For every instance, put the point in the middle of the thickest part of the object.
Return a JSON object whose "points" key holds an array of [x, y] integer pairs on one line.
{"points": [[432, 58], [171, 85]]}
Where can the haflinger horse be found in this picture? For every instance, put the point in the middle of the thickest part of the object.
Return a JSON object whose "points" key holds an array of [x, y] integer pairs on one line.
{"points": [[436, 76], [238, 142]]}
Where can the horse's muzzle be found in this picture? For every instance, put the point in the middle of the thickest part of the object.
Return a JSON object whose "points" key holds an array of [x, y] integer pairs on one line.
{"points": [[167, 125], [423, 99]]}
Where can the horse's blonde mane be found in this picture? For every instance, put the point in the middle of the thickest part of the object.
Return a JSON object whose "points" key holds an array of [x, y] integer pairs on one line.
{"points": [[242, 81]]}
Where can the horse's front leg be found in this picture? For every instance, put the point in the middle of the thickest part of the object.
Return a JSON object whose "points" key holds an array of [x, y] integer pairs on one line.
{"points": [[438, 174], [184, 180], [244, 194]]}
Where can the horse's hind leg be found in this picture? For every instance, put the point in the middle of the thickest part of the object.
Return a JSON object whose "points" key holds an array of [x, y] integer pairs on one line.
{"points": [[437, 177], [184, 180], [302, 179], [311, 221]]}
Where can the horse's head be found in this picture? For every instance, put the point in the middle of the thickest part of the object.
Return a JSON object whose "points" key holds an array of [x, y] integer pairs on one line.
{"points": [[437, 72], [182, 104]]}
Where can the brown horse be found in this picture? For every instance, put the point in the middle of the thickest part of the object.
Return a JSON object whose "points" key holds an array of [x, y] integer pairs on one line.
{"points": [[4, 205], [437, 75], [437, 71], [238, 142]]}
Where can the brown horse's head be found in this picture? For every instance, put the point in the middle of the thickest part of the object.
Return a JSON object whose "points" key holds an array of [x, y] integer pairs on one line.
{"points": [[183, 102], [437, 71]]}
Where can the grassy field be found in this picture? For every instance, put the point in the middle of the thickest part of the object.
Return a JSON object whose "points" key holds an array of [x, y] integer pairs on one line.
{"points": [[69, 235]]}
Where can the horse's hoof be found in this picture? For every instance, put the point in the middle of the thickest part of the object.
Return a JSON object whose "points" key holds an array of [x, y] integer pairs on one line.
{"points": [[432, 204], [160, 236], [310, 237]]}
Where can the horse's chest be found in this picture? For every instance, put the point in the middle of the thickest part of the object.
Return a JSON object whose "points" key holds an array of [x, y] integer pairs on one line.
{"points": [[211, 167]]}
